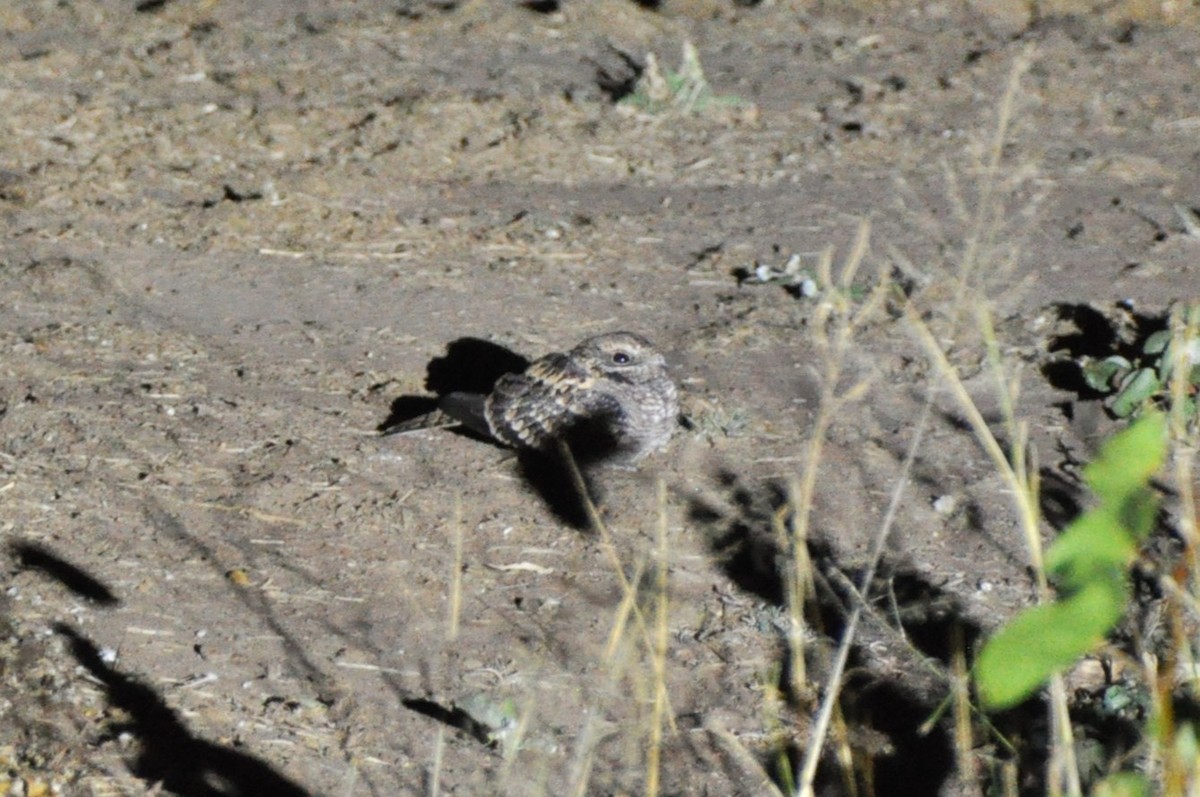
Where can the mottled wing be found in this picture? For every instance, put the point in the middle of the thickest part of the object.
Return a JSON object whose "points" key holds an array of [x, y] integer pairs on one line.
{"points": [[532, 408], [600, 405]]}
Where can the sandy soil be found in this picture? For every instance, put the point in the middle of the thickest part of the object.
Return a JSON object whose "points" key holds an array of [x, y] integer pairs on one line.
{"points": [[234, 235]]}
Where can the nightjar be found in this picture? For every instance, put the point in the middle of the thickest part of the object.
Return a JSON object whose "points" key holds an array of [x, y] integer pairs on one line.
{"points": [[610, 398]]}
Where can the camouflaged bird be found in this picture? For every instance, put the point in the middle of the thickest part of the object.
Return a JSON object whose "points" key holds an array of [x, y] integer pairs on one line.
{"points": [[610, 398]]}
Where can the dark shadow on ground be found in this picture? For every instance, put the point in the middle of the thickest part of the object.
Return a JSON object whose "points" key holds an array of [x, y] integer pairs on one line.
{"points": [[1060, 497], [453, 717], [909, 622], [901, 664], [471, 365], [744, 542], [748, 547], [550, 477], [591, 445], [184, 764], [35, 556], [912, 762]]}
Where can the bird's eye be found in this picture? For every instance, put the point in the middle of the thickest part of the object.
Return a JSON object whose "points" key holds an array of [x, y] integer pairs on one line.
{"points": [[621, 358]]}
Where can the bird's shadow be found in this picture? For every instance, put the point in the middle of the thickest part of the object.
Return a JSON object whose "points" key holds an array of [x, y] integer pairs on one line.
{"points": [[470, 365], [473, 365], [548, 473]]}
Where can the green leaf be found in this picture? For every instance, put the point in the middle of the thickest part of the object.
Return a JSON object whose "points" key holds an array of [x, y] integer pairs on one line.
{"points": [[1103, 542], [1095, 545], [1128, 460], [1157, 343], [1123, 784], [1100, 374], [1137, 513], [1134, 390], [1039, 642]]}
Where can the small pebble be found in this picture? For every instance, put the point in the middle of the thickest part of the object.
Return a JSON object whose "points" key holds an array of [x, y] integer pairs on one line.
{"points": [[945, 504]]}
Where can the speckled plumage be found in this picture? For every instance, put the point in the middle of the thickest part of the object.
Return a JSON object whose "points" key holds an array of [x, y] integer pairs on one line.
{"points": [[614, 388]]}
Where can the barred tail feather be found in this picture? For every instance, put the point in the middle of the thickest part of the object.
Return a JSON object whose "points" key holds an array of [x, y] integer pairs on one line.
{"points": [[467, 409]]}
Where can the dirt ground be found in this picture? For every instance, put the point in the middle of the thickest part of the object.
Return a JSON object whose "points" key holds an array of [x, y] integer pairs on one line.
{"points": [[236, 236]]}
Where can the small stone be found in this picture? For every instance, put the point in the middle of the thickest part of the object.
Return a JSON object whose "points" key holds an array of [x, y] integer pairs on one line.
{"points": [[945, 504]]}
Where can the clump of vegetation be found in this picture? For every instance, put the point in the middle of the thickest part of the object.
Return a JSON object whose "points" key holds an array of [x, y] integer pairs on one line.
{"points": [[715, 421], [799, 280], [685, 90], [1091, 566], [1133, 384]]}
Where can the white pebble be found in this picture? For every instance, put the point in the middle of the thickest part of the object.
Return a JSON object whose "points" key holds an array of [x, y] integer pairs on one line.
{"points": [[945, 504]]}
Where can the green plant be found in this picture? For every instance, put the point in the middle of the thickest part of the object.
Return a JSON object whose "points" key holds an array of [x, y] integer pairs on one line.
{"points": [[686, 90], [1142, 381], [1089, 563]]}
